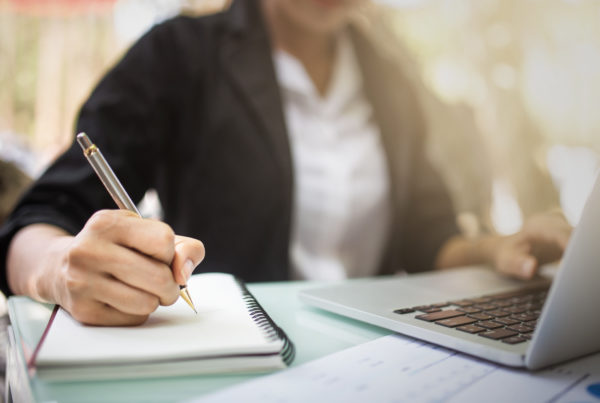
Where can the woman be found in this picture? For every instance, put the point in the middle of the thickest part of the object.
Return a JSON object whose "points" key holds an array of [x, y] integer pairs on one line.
{"points": [[275, 133]]}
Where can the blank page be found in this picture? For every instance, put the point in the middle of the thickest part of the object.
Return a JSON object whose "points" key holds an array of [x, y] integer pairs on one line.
{"points": [[221, 327]]}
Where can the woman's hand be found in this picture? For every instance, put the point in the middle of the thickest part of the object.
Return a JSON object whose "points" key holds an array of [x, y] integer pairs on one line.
{"points": [[116, 271], [542, 239]]}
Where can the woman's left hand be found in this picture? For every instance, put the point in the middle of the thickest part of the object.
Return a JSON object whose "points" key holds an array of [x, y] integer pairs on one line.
{"points": [[543, 239]]}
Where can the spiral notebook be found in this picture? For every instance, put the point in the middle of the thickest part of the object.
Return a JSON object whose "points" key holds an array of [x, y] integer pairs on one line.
{"points": [[231, 333]]}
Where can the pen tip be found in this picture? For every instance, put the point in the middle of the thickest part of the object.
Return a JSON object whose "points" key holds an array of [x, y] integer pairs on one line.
{"points": [[187, 298]]}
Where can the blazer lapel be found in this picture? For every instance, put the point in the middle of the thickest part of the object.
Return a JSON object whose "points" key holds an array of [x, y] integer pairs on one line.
{"points": [[246, 57]]}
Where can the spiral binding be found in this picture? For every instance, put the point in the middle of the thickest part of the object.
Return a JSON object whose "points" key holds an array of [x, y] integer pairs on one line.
{"points": [[266, 324]]}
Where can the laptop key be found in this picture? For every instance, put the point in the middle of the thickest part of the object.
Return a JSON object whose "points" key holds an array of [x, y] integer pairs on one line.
{"points": [[471, 329], [525, 317], [462, 303], [431, 317], [498, 334], [430, 309], [456, 321], [524, 299], [404, 311], [498, 313], [514, 340], [510, 294], [481, 316], [481, 300], [507, 321], [531, 323], [486, 307], [520, 328], [534, 306], [488, 324], [469, 309], [516, 309]]}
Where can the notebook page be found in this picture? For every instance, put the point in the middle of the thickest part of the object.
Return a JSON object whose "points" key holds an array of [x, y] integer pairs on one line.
{"points": [[221, 327]]}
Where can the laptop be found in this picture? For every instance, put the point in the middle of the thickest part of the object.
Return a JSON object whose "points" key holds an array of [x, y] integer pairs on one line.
{"points": [[480, 312]]}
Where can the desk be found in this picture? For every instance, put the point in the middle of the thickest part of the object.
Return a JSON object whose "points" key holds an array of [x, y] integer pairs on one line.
{"points": [[314, 332]]}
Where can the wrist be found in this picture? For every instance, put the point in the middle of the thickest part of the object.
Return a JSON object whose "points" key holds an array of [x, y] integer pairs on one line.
{"points": [[48, 281], [35, 257]]}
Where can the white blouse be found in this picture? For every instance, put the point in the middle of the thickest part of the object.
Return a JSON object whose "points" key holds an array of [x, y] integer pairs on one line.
{"points": [[341, 211]]}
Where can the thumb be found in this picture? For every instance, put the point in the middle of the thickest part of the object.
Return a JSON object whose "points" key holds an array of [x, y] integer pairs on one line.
{"points": [[514, 258], [189, 252], [521, 265]]}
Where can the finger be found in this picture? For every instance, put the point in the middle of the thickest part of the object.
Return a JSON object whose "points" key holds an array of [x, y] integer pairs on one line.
{"points": [[527, 267], [562, 238], [551, 228], [125, 298], [130, 267], [522, 266], [150, 237], [146, 274], [558, 238], [189, 252], [548, 247], [99, 314]]}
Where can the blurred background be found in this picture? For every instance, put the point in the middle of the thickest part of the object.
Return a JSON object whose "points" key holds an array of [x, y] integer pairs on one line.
{"points": [[510, 89]]}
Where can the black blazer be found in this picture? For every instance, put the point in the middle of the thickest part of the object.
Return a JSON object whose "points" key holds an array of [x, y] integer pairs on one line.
{"points": [[194, 111]]}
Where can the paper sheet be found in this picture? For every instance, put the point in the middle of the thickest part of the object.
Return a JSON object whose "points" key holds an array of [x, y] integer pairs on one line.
{"points": [[399, 369], [222, 326]]}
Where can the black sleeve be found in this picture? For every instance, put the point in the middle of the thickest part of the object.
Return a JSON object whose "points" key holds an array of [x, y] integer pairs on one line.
{"points": [[128, 116], [431, 219]]}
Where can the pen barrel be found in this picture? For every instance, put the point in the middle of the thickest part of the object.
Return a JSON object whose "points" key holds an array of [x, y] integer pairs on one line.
{"points": [[115, 188], [110, 181]]}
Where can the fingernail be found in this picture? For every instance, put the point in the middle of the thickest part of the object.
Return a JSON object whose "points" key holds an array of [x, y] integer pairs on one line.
{"points": [[527, 268], [187, 269]]}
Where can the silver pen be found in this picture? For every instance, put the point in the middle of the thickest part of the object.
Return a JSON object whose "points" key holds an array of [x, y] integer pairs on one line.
{"points": [[116, 190]]}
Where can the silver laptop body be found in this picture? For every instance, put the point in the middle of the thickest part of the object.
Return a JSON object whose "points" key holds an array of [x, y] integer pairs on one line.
{"points": [[568, 325]]}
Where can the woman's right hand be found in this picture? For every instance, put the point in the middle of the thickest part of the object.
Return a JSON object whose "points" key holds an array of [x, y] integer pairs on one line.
{"points": [[116, 271]]}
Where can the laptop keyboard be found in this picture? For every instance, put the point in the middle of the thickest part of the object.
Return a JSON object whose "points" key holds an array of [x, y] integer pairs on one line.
{"points": [[508, 317]]}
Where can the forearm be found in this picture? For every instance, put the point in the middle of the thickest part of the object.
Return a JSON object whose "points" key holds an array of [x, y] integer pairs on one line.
{"points": [[35, 257], [461, 251]]}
